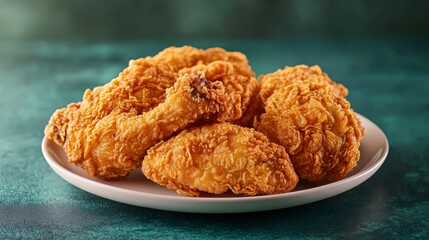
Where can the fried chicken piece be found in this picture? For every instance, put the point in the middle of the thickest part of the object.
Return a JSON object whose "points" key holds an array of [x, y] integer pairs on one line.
{"points": [[232, 68], [317, 127], [245, 85], [186, 56], [142, 85], [219, 157], [283, 77], [114, 145]]}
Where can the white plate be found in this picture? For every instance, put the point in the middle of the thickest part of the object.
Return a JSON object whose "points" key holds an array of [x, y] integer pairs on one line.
{"points": [[137, 190]]}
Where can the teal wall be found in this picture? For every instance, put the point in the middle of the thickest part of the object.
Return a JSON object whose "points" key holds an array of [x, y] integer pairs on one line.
{"points": [[124, 20]]}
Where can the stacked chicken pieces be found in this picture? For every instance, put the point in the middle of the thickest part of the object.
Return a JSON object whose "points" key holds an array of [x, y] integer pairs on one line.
{"points": [[197, 120]]}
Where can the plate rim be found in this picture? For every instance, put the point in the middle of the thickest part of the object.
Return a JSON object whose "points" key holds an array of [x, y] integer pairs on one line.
{"points": [[365, 173]]}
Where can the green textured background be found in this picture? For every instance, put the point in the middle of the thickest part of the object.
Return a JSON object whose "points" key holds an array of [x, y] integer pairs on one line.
{"points": [[170, 19], [51, 51]]}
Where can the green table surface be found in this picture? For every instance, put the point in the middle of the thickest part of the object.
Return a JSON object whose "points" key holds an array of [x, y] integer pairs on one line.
{"points": [[388, 80]]}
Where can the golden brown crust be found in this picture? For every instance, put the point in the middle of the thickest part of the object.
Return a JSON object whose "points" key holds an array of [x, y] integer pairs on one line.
{"points": [[283, 77], [235, 82], [142, 85], [319, 130], [300, 108], [219, 157], [114, 145], [186, 56]]}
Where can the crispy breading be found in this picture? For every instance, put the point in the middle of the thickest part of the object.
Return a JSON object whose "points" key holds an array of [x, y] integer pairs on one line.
{"points": [[139, 88], [112, 146], [186, 56], [142, 85], [317, 127], [281, 78], [219, 157], [245, 85]]}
